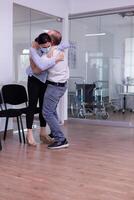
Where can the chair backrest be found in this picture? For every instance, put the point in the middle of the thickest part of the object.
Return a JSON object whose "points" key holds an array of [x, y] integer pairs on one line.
{"points": [[1, 102], [14, 94]]}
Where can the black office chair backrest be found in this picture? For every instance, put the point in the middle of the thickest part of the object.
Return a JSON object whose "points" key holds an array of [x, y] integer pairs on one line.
{"points": [[14, 94], [1, 102]]}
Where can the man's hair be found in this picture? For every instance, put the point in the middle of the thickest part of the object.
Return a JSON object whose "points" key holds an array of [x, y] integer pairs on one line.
{"points": [[56, 37], [43, 38]]}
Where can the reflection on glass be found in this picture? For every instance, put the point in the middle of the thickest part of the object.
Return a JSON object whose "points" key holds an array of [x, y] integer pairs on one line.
{"points": [[104, 57], [27, 25]]}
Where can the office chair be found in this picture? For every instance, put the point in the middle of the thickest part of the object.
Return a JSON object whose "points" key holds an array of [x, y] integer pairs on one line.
{"points": [[15, 95]]}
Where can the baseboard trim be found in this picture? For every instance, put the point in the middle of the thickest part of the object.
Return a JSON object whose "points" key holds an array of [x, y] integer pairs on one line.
{"points": [[8, 131], [102, 122]]}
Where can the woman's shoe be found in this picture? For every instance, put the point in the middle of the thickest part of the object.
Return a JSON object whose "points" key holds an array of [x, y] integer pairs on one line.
{"points": [[46, 139], [30, 142]]}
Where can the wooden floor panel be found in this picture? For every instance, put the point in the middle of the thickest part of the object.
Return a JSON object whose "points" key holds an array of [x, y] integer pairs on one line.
{"points": [[98, 165]]}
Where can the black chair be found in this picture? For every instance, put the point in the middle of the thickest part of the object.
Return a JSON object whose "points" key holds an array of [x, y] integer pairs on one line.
{"points": [[0, 145], [15, 95], [1, 109]]}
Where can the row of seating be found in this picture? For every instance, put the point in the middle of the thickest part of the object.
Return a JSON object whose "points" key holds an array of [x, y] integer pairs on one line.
{"points": [[15, 95]]}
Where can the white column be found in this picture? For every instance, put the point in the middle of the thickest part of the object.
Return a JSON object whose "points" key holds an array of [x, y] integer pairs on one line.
{"points": [[63, 104], [6, 42]]}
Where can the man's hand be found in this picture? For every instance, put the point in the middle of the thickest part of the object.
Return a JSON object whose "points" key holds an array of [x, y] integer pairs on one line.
{"points": [[35, 45], [35, 69]]}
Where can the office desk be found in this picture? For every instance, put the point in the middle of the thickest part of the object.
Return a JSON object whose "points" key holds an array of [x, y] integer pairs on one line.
{"points": [[128, 87]]}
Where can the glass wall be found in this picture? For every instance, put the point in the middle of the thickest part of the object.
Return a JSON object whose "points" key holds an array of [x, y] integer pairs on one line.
{"points": [[101, 64], [27, 25]]}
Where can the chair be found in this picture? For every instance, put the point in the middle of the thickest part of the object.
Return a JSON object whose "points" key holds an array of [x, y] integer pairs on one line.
{"points": [[0, 145], [15, 95], [1, 109]]}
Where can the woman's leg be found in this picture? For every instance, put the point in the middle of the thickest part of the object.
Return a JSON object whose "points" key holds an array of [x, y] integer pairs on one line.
{"points": [[42, 90], [33, 94]]}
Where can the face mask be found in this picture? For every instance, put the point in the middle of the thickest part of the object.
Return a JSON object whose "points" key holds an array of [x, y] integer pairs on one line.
{"points": [[45, 50]]}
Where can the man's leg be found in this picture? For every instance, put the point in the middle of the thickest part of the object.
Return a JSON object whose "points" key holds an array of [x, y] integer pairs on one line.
{"points": [[51, 100], [44, 136]]}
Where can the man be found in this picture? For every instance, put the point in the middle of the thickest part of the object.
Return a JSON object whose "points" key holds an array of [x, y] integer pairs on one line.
{"points": [[57, 85]]}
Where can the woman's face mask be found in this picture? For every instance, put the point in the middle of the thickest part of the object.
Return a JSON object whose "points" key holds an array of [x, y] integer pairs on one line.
{"points": [[45, 50], [45, 47]]}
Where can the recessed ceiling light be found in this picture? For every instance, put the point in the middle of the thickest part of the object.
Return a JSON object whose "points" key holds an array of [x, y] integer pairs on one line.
{"points": [[94, 34]]}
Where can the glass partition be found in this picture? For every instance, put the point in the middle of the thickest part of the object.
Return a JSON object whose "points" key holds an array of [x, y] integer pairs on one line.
{"points": [[27, 25], [101, 64]]}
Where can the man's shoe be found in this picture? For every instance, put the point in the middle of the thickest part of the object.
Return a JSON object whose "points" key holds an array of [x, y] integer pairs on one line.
{"points": [[59, 145]]}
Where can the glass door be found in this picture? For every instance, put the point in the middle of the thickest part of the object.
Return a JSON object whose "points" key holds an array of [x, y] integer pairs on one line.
{"points": [[103, 68]]}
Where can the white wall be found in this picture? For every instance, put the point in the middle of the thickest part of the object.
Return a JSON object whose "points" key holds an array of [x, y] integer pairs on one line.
{"points": [[6, 72], [81, 6]]}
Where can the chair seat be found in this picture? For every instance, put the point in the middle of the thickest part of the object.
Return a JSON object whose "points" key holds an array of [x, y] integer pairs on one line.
{"points": [[10, 113], [37, 110], [26, 110]]}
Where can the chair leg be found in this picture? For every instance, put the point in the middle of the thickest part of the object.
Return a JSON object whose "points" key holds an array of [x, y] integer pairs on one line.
{"points": [[23, 134], [19, 130], [5, 131]]}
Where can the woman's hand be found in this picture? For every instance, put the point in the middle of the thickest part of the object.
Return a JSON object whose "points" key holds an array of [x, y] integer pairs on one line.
{"points": [[35, 45], [60, 57], [50, 53]]}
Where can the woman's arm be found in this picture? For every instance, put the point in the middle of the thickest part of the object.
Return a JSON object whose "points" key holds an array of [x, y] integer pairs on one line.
{"points": [[34, 68], [43, 62]]}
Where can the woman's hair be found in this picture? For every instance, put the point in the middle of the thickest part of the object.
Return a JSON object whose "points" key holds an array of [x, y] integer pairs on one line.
{"points": [[43, 38]]}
